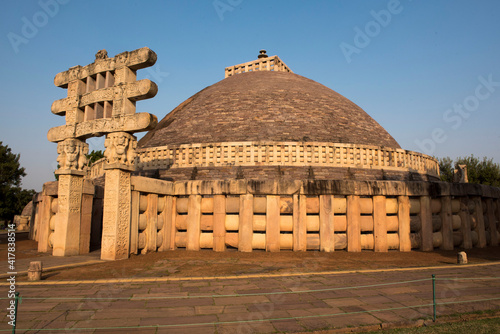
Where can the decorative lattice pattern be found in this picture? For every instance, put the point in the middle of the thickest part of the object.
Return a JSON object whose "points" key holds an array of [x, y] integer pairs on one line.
{"points": [[102, 96], [285, 154]]}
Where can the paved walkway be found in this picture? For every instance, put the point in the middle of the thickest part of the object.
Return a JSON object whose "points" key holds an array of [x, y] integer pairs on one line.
{"points": [[263, 304]]}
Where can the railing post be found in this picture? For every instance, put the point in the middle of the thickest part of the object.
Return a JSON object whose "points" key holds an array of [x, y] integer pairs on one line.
{"points": [[16, 299], [434, 297]]}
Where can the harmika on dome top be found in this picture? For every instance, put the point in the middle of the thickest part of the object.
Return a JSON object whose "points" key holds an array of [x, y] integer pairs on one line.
{"points": [[264, 122], [268, 106]]}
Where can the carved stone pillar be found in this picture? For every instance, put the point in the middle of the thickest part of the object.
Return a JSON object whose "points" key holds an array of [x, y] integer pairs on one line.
{"points": [[116, 216], [120, 157], [73, 164]]}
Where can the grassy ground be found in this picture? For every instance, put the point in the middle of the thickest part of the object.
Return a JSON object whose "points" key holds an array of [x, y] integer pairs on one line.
{"points": [[477, 326]]}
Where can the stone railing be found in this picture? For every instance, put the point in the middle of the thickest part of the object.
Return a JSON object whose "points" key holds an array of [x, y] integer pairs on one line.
{"points": [[286, 154], [327, 215], [273, 63], [312, 215]]}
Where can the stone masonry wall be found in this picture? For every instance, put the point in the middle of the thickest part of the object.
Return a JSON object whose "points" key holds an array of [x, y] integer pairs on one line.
{"points": [[286, 173]]}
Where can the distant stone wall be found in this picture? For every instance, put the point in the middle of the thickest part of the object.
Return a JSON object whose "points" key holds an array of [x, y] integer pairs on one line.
{"points": [[96, 169], [43, 222]]}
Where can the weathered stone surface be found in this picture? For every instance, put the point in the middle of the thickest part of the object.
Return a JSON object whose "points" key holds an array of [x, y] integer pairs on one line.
{"points": [[116, 216], [272, 224], [262, 110], [194, 223], [447, 219], [72, 156], [120, 150], [462, 258], [136, 60], [426, 220], [139, 90], [353, 224], [326, 224], [97, 127], [264, 63], [22, 223], [245, 233], [460, 174], [35, 271], [292, 160], [148, 185], [380, 224], [68, 219]]}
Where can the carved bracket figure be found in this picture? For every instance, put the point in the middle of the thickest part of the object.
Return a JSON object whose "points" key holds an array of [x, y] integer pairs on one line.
{"points": [[120, 150], [72, 157]]}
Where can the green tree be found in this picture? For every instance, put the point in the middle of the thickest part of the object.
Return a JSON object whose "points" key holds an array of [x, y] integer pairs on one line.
{"points": [[94, 156], [10, 168], [483, 171], [446, 168], [91, 158], [12, 197]]}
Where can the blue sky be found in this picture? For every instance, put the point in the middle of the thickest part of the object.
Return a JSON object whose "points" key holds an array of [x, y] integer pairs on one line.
{"points": [[427, 71]]}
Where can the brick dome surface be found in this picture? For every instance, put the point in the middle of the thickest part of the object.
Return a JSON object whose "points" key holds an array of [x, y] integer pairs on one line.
{"points": [[267, 106]]}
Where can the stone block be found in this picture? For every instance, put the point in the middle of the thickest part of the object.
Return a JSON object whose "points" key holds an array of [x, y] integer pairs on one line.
{"points": [[273, 223], [68, 224], [245, 233], [405, 244], [380, 223], [116, 216], [299, 223], [35, 271], [462, 258], [353, 225], [326, 223]]}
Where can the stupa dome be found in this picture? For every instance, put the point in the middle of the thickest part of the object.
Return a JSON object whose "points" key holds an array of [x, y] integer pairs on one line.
{"points": [[268, 106], [264, 122]]}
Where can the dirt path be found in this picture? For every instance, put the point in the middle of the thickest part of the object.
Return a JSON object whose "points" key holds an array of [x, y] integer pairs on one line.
{"points": [[181, 263]]}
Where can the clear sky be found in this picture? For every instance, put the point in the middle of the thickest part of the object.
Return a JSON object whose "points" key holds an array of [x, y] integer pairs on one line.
{"points": [[427, 71]]}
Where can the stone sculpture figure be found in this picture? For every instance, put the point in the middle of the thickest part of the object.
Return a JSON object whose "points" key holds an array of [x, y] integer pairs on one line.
{"points": [[72, 155], [72, 152], [101, 54], [82, 160], [460, 174], [120, 148]]}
